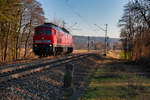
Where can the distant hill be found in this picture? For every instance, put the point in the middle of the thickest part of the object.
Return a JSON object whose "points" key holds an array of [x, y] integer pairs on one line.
{"points": [[81, 42]]}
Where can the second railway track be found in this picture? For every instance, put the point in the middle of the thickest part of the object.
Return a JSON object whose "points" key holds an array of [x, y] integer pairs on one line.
{"points": [[21, 70]]}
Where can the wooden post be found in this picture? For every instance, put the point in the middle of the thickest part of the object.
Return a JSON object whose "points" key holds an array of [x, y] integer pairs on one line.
{"points": [[68, 76]]}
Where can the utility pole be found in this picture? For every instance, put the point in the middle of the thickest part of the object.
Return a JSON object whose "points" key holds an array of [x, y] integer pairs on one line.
{"points": [[63, 23], [88, 43], [105, 30], [105, 52]]}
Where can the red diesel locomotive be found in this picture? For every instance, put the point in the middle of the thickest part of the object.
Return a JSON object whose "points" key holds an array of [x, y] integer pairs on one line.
{"points": [[50, 39]]}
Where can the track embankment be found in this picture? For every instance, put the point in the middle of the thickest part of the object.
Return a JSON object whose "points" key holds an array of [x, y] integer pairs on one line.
{"points": [[43, 78]]}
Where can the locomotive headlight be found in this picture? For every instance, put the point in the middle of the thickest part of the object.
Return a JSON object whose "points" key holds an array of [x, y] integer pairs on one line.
{"points": [[47, 41], [35, 45], [42, 38], [50, 45]]}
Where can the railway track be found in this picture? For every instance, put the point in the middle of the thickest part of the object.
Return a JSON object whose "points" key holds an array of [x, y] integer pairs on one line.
{"points": [[10, 72]]}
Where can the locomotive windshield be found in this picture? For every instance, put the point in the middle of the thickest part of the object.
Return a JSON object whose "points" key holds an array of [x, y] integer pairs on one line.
{"points": [[47, 31], [38, 32]]}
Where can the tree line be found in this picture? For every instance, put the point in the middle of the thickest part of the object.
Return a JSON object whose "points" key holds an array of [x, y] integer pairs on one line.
{"points": [[135, 29], [17, 21]]}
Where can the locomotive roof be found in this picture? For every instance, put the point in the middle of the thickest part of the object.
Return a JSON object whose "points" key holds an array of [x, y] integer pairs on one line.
{"points": [[56, 27]]}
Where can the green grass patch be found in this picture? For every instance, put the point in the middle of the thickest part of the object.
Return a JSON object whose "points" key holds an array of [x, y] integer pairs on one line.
{"points": [[122, 92], [116, 82], [122, 55]]}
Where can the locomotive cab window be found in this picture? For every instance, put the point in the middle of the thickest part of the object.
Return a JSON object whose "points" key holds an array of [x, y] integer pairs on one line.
{"points": [[38, 32], [54, 33], [47, 31]]}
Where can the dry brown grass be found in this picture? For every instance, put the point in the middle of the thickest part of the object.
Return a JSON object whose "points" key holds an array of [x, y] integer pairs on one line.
{"points": [[114, 84], [30, 57], [86, 51], [111, 53], [114, 54]]}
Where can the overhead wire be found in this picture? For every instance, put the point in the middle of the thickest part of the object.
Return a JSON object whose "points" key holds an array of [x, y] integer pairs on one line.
{"points": [[77, 14]]}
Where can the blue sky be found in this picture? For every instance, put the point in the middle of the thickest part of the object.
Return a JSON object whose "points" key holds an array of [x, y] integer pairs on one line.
{"points": [[86, 13]]}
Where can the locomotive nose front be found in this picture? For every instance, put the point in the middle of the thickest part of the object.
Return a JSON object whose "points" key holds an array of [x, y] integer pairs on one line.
{"points": [[42, 41]]}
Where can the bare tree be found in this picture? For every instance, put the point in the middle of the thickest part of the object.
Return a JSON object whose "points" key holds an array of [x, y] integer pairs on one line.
{"points": [[135, 27], [33, 15], [17, 21]]}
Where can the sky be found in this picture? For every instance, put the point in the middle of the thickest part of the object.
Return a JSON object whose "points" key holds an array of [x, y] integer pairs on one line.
{"points": [[81, 16]]}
